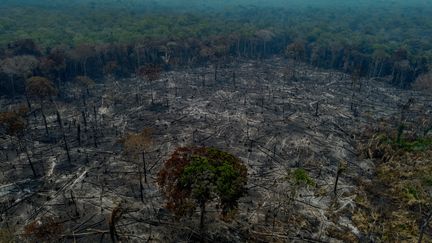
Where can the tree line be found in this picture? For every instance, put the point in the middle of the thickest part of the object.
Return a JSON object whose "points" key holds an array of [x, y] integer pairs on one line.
{"points": [[375, 41], [23, 59]]}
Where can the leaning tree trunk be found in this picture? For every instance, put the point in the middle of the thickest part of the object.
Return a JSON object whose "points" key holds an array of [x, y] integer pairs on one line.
{"points": [[340, 169], [24, 147]]}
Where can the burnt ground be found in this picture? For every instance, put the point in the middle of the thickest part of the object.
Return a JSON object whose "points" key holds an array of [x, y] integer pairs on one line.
{"points": [[273, 118]]}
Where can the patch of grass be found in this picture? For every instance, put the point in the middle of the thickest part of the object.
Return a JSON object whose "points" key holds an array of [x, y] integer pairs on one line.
{"points": [[402, 180], [411, 193], [301, 176], [420, 144], [427, 180]]}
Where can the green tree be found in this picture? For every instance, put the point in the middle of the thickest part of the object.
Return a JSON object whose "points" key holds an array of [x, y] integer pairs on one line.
{"points": [[192, 177]]}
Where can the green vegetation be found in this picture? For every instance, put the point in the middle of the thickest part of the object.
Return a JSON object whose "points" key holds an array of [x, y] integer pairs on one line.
{"points": [[416, 144], [419, 144], [87, 26], [398, 197], [61, 41], [192, 177], [384, 28], [376, 39], [301, 177]]}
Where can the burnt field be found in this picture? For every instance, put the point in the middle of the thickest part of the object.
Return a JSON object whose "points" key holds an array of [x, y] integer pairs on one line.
{"points": [[297, 128]]}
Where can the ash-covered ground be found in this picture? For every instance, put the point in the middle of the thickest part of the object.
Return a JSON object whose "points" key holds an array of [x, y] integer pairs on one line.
{"points": [[276, 115]]}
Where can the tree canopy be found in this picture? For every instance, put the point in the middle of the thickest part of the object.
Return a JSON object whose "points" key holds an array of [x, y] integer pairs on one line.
{"points": [[13, 123], [193, 176], [40, 87]]}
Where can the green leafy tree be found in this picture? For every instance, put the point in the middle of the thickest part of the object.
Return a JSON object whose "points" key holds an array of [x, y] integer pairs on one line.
{"points": [[194, 176]]}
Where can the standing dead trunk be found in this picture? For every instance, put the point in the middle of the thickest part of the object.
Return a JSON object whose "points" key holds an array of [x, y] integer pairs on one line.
{"points": [[64, 137], [30, 106], [95, 127], [12, 86], [380, 69], [84, 100], [151, 92], [141, 187], [234, 79], [137, 99], [352, 100], [95, 137], [44, 118], [79, 134], [202, 216], [144, 167], [336, 183], [74, 203], [84, 120], [95, 115], [85, 66], [138, 63], [28, 102], [215, 72]]}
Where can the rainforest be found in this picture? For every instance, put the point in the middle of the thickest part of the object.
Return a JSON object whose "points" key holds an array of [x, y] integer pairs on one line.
{"points": [[215, 121]]}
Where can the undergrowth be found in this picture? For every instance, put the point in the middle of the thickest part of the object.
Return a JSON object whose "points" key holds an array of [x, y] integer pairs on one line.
{"points": [[393, 204]]}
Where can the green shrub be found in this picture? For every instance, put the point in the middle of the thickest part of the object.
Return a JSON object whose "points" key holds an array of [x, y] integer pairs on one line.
{"points": [[301, 177]]}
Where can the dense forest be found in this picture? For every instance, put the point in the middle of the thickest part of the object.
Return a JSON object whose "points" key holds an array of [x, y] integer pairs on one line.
{"points": [[375, 40], [215, 121]]}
